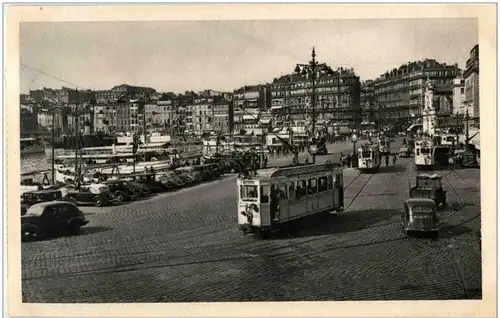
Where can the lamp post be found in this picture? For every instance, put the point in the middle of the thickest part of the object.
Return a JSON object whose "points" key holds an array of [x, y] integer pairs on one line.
{"points": [[354, 138], [312, 68]]}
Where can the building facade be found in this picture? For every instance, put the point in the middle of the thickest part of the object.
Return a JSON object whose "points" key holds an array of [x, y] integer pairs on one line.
{"points": [[400, 93], [367, 101], [223, 116], [459, 95], [249, 99], [28, 122], [337, 98], [471, 77]]}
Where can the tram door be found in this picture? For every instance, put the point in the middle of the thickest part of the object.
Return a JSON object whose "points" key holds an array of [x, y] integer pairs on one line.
{"points": [[298, 199], [338, 190], [283, 205]]}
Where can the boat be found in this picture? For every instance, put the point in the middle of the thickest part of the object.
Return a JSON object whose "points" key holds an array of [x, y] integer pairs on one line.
{"points": [[31, 146]]}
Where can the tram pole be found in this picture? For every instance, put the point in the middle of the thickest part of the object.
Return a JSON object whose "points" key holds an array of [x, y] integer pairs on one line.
{"points": [[467, 129]]}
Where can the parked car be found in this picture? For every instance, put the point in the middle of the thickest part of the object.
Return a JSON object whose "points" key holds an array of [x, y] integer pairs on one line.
{"points": [[120, 192], [170, 179], [97, 194], [141, 189], [147, 182], [34, 197], [205, 171], [51, 217], [193, 174], [24, 209], [214, 169]]}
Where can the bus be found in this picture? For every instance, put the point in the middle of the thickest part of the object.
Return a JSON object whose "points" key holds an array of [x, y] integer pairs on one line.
{"points": [[274, 197]]}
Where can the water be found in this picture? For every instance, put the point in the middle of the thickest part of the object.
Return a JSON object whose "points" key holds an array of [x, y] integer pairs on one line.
{"points": [[35, 162]]}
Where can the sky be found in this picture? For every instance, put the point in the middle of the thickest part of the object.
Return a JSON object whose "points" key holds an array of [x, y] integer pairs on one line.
{"points": [[226, 55]]}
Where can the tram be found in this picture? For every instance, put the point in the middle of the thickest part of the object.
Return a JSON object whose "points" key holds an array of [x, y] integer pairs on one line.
{"points": [[274, 197], [385, 145], [424, 154], [369, 158]]}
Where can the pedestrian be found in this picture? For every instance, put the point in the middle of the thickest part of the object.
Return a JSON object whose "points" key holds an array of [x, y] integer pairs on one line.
{"points": [[404, 141], [394, 158], [348, 160], [387, 160], [342, 159]]}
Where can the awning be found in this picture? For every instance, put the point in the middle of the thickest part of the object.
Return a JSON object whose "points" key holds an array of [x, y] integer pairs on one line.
{"points": [[248, 117], [276, 107], [265, 120]]}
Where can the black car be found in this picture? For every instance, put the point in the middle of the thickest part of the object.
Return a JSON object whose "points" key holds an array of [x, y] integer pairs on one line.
{"points": [[120, 190], [34, 197], [95, 194], [51, 217]]}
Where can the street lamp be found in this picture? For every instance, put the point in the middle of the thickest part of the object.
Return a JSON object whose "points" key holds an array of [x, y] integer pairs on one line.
{"points": [[354, 138], [312, 68]]}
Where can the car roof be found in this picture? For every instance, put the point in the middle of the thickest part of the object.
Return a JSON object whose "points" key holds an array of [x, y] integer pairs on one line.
{"points": [[49, 203]]}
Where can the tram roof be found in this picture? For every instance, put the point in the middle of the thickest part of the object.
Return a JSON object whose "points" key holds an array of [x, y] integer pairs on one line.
{"points": [[290, 171]]}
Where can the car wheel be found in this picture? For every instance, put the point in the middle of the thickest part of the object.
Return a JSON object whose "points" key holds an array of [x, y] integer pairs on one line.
{"points": [[28, 233], [98, 202], [119, 197]]}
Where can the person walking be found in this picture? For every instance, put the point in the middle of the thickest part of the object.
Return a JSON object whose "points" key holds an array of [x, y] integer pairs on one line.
{"points": [[348, 160], [387, 160], [394, 159]]}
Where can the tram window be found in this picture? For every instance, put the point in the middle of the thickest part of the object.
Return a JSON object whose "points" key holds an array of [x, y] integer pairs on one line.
{"points": [[330, 182], [322, 184], [366, 154], [248, 192], [417, 151], [312, 186], [426, 151], [300, 190], [264, 194], [291, 190], [282, 191]]}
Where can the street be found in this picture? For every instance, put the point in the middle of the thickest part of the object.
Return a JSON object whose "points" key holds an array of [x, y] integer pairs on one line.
{"points": [[185, 246]]}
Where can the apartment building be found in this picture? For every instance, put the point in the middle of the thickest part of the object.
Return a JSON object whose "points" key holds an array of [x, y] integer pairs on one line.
{"points": [[471, 78], [337, 97], [400, 92]]}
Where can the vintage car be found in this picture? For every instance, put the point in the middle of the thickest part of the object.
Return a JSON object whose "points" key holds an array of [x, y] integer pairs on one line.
{"points": [[205, 171], [120, 190], [213, 168], [51, 217], [404, 152], [170, 179], [24, 209], [419, 215], [469, 159], [34, 197], [192, 174], [28, 185], [97, 194], [146, 181], [141, 189], [429, 187]]}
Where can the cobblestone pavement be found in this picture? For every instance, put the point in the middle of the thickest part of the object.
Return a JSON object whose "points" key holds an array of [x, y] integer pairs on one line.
{"points": [[185, 246]]}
